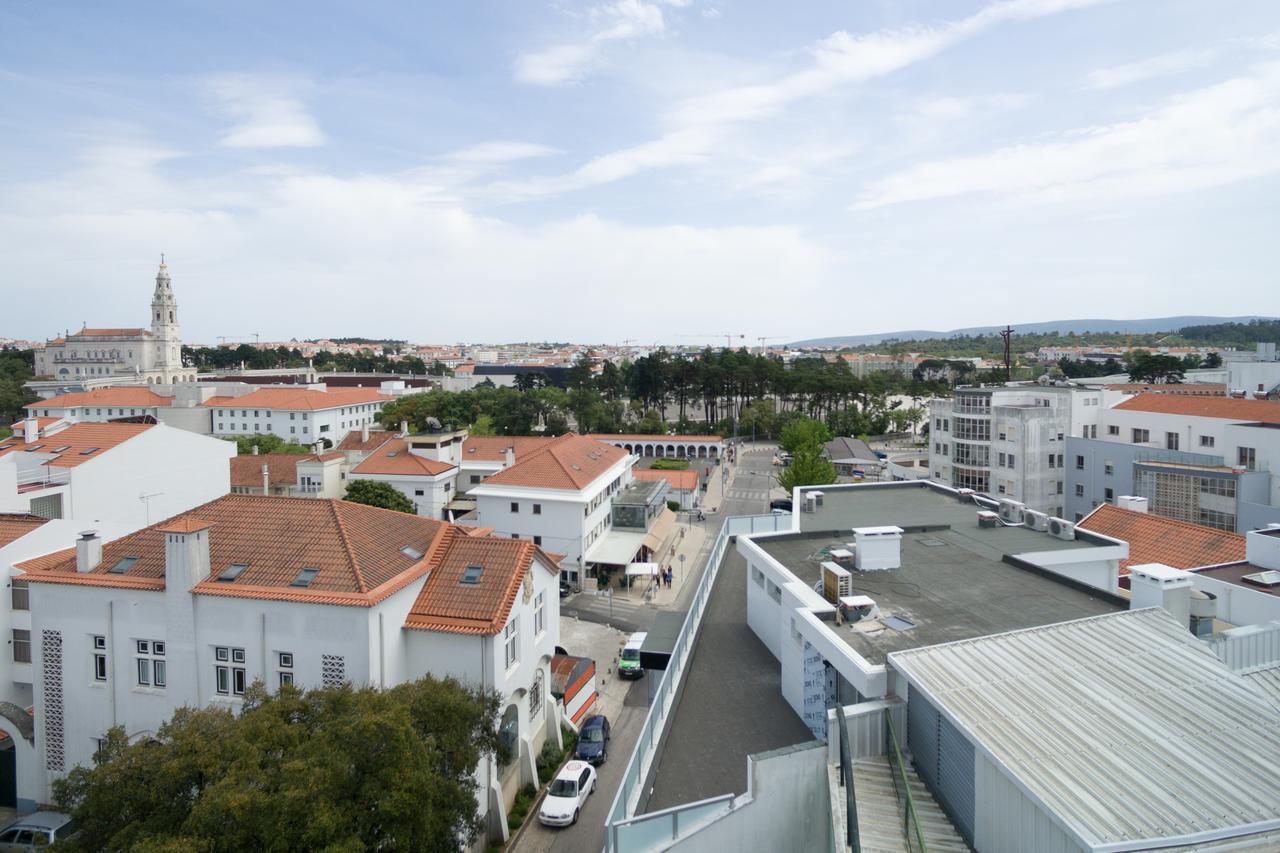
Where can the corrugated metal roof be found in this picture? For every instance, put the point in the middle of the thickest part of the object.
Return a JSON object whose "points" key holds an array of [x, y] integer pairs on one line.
{"points": [[1124, 727], [1266, 682]]}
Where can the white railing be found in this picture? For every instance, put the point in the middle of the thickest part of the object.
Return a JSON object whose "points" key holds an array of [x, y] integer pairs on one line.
{"points": [[44, 477], [625, 833]]}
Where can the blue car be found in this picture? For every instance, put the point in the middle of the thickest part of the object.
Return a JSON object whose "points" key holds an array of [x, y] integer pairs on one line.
{"points": [[593, 740]]}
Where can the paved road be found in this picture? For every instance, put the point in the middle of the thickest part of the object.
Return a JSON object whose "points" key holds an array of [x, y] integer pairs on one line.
{"points": [[746, 495]]}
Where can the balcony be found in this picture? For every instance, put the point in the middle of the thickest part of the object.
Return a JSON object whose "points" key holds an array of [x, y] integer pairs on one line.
{"points": [[42, 478]]}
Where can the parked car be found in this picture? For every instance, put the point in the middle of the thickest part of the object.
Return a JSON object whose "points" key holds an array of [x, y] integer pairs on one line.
{"points": [[565, 589], [781, 503], [629, 660], [593, 740], [36, 832], [781, 511], [568, 794]]}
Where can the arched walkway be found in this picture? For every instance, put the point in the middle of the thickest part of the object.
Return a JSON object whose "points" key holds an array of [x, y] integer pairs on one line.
{"points": [[21, 729]]}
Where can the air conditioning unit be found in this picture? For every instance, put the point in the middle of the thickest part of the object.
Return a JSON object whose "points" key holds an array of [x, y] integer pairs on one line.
{"points": [[837, 583], [1035, 520], [987, 518], [1011, 511], [1062, 528]]}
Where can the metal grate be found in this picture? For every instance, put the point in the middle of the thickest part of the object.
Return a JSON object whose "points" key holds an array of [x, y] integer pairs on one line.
{"points": [[333, 670], [535, 695], [51, 671]]}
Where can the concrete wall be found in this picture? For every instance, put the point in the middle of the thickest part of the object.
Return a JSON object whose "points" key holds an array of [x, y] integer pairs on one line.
{"points": [[1237, 604], [787, 807]]}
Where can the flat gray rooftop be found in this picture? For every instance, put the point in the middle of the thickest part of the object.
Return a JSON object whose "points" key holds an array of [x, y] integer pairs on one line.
{"points": [[953, 583]]}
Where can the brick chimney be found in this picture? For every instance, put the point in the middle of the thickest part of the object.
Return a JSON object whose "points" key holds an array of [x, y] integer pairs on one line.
{"points": [[88, 551]]}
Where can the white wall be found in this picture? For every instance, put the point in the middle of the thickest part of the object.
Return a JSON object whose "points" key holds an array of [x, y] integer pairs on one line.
{"points": [[1007, 821], [304, 427], [1237, 604]]}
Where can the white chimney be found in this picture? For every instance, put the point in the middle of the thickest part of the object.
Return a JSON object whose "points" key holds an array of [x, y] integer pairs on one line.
{"points": [[1158, 585], [266, 479], [1262, 547], [364, 434], [255, 450], [404, 428], [1133, 503], [877, 548], [88, 551], [186, 554], [509, 456], [30, 429]]}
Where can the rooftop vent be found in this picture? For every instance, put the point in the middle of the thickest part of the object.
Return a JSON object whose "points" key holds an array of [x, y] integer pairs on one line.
{"points": [[232, 572], [305, 577], [122, 566], [472, 574], [411, 552]]}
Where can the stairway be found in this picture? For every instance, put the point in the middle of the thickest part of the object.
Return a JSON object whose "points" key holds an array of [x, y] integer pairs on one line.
{"points": [[880, 816]]}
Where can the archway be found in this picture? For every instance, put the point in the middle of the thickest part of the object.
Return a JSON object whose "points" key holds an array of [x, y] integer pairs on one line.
{"points": [[658, 451], [22, 780], [671, 450], [680, 451], [648, 450], [702, 452], [627, 447]]}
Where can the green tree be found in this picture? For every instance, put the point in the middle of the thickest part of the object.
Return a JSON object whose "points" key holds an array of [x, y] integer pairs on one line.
{"points": [[327, 769], [15, 369], [1213, 360], [807, 468], [377, 493], [267, 444], [802, 433], [1154, 368], [482, 426]]}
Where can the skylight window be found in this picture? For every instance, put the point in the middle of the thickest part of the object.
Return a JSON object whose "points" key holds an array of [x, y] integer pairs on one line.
{"points": [[88, 450], [1267, 578], [60, 449], [122, 566], [305, 577], [411, 552], [34, 447], [472, 575], [232, 572]]}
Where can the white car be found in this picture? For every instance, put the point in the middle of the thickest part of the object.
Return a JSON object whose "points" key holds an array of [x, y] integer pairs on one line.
{"points": [[568, 794]]}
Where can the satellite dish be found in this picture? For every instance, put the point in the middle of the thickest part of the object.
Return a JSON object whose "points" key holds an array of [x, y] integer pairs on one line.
{"points": [[433, 424]]}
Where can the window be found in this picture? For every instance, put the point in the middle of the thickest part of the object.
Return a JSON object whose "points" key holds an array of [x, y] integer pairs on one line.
{"points": [[150, 660], [1059, 460], [1079, 490], [99, 658], [515, 507], [1051, 457], [510, 641], [1079, 463], [475, 478], [539, 614], [1170, 441], [21, 646], [1109, 495], [20, 594], [1206, 441], [1247, 457], [1002, 460], [1113, 429], [1141, 436], [537, 509], [1011, 460], [471, 575], [1059, 486], [417, 493], [285, 661], [1108, 468], [537, 540], [304, 579], [122, 566], [228, 679]]}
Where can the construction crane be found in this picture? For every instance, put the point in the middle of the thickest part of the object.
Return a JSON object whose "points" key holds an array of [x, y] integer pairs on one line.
{"points": [[763, 338], [728, 338], [241, 339]]}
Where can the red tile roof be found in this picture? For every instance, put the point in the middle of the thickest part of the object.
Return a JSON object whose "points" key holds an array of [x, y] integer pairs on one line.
{"points": [[493, 448], [282, 469], [447, 604], [394, 458], [82, 442], [15, 525], [685, 481], [1227, 408], [111, 333], [115, 395], [1155, 539], [568, 462], [352, 441], [300, 399], [1195, 389], [674, 439], [41, 422]]}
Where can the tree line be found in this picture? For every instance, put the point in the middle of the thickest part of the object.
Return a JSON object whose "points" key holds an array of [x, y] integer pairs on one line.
{"points": [[383, 359]]}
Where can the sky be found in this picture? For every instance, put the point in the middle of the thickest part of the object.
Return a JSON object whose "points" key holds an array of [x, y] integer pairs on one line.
{"points": [[647, 170]]}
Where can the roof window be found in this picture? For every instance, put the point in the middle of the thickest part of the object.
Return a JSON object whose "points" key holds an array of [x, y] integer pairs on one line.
{"points": [[411, 552], [1267, 578], [232, 572], [305, 577], [122, 566], [472, 574], [34, 447], [88, 450], [60, 449]]}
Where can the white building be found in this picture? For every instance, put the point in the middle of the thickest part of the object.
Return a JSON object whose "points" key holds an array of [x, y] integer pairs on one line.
{"points": [[283, 590], [304, 415], [148, 355], [125, 473], [1010, 441], [423, 468], [100, 405], [557, 496], [289, 475]]}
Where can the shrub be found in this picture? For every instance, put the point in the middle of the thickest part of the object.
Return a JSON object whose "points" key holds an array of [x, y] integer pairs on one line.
{"points": [[667, 463]]}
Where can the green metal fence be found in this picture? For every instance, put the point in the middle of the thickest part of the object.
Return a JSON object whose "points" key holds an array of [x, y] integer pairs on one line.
{"points": [[911, 832]]}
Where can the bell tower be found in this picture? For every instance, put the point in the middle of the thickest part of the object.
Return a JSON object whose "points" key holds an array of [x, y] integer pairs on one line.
{"points": [[164, 322]]}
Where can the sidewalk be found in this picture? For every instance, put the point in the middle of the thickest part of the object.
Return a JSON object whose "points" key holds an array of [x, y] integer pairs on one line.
{"points": [[692, 535]]}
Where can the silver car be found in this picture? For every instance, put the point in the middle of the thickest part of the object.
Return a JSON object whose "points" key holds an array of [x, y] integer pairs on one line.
{"points": [[36, 832]]}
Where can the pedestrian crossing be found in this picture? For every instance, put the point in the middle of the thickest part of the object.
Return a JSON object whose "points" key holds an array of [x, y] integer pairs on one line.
{"points": [[746, 494]]}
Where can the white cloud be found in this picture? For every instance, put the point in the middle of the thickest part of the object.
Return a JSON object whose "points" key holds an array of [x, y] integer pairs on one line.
{"points": [[268, 112], [1164, 65], [1211, 136], [500, 152], [563, 63]]}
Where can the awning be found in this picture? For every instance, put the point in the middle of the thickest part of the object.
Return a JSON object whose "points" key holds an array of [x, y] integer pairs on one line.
{"points": [[615, 548], [658, 539], [643, 570]]}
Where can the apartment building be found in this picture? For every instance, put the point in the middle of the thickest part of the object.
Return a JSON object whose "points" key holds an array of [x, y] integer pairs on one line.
{"points": [[99, 405], [423, 468], [290, 475], [1010, 441], [1205, 460], [304, 415], [192, 610]]}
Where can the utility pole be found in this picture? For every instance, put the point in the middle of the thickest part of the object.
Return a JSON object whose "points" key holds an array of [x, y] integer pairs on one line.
{"points": [[1007, 334]]}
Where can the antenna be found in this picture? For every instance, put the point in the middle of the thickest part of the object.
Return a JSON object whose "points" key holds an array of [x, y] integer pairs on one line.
{"points": [[1007, 334], [146, 501]]}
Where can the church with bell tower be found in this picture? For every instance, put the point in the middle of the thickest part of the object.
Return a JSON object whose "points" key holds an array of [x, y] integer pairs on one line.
{"points": [[153, 356]]}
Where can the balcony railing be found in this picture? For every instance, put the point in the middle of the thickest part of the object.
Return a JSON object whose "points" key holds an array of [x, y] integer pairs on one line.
{"points": [[42, 478]]}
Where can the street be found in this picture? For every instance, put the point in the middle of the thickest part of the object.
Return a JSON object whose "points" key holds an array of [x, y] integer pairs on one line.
{"points": [[747, 494]]}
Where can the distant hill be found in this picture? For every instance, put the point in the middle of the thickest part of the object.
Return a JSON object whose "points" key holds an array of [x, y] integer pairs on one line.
{"points": [[1062, 327]]}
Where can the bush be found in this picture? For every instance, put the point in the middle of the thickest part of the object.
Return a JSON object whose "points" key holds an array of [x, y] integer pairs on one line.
{"points": [[667, 463], [674, 506]]}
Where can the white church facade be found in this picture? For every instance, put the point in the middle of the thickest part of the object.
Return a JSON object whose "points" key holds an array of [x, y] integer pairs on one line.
{"points": [[150, 355]]}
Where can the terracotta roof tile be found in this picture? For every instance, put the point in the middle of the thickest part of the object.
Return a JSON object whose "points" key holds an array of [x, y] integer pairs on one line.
{"points": [[605, 436], [82, 442], [1195, 389], [352, 441], [447, 604], [116, 395], [685, 481], [393, 458], [1227, 408], [493, 448], [1155, 539], [300, 399], [282, 469], [570, 461], [15, 525], [111, 333]]}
